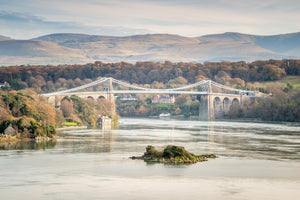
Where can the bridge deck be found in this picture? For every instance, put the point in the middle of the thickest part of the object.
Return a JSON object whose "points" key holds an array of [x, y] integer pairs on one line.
{"points": [[137, 92]]}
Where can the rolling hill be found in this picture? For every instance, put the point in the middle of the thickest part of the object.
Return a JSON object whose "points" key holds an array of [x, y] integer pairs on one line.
{"points": [[66, 48], [37, 52]]}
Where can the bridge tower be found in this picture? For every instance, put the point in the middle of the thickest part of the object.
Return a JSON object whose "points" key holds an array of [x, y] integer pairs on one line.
{"points": [[216, 105], [108, 88], [206, 107], [107, 85]]}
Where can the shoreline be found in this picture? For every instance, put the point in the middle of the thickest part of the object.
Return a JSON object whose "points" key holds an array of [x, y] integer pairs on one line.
{"points": [[194, 118], [37, 139]]}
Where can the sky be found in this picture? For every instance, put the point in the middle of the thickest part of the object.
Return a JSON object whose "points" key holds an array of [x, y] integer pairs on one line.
{"points": [[26, 19]]}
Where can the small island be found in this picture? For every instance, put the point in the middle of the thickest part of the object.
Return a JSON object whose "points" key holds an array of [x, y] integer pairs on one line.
{"points": [[172, 155]]}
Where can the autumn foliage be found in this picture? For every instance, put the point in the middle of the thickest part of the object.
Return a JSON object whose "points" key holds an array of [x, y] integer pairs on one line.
{"points": [[29, 116], [51, 78]]}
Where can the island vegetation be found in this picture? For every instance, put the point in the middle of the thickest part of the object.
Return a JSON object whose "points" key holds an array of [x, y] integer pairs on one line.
{"points": [[172, 154]]}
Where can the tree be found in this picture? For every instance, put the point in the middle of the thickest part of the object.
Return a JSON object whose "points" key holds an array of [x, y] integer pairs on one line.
{"points": [[222, 77], [178, 81], [181, 99], [67, 108], [177, 111], [272, 72]]}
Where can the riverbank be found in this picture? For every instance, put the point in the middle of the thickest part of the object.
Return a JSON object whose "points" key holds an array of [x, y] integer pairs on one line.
{"points": [[8, 138]]}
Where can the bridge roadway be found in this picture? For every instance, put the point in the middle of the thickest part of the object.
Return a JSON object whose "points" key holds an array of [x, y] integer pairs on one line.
{"points": [[161, 91]]}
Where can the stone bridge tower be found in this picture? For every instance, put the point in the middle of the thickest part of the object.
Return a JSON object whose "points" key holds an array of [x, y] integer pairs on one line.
{"points": [[215, 106], [108, 89]]}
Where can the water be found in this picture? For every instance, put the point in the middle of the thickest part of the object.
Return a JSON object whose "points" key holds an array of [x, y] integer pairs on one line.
{"points": [[255, 161]]}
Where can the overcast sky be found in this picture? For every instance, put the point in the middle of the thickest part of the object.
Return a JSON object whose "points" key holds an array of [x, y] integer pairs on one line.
{"points": [[24, 19]]}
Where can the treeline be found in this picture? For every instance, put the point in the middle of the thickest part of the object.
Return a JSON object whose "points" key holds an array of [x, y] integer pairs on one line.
{"points": [[50, 77], [281, 106]]}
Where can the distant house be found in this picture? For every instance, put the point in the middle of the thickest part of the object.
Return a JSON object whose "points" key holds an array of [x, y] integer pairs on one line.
{"points": [[128, 98], [5, 84], [104, 122], [10, 130], [159, 99]]}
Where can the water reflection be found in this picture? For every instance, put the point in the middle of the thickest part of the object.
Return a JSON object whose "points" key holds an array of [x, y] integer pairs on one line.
{"points": [[30, 145], [94, 163], [107, 141], [87, 141], [231, 139]]}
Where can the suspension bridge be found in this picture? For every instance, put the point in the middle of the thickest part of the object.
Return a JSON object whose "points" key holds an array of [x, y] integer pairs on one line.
{"points": [[216, 99]]}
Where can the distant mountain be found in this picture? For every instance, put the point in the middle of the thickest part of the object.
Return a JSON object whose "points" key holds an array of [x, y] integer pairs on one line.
{"points": [[80, 48], [37, 52], [287, 44], [67, 38], [2, 38]]}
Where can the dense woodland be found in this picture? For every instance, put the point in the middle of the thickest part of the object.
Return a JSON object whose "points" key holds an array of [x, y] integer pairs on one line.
{"points": [[282, 105], [29, 116]]}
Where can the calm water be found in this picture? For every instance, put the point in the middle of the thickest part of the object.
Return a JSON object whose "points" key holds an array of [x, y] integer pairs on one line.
{"points": [[256, 161]]}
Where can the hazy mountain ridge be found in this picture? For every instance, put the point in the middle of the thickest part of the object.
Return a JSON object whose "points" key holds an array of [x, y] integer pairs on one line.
{"points": [[37, 52], [81, 48], [277, 43], [3, 38]]}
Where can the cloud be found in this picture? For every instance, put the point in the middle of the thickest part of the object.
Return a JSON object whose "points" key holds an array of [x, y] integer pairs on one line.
{"points": [[25, 26], [184, 17]]}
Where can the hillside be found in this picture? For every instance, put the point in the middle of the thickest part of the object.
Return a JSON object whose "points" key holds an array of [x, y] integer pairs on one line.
{"points": [[37, 52], [27, 116], [67, 48], [3, 38], [287, 44], [160, 47]]}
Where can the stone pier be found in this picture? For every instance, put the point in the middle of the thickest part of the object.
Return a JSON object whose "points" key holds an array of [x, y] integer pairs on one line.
{"points": [[216, 106]]}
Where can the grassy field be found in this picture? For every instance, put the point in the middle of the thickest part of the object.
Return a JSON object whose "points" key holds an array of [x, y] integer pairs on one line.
{"points": [[293, 80], [71, 124]]}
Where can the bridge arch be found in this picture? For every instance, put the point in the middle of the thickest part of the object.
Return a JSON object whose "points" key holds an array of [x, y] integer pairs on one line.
{"points": [[101, 97], [235, 101], [226, 104], [218, 107], [65, 98], [90, 97]]}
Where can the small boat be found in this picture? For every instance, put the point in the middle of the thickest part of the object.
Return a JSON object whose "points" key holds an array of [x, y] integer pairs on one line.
{"points": [[165, 115]]}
